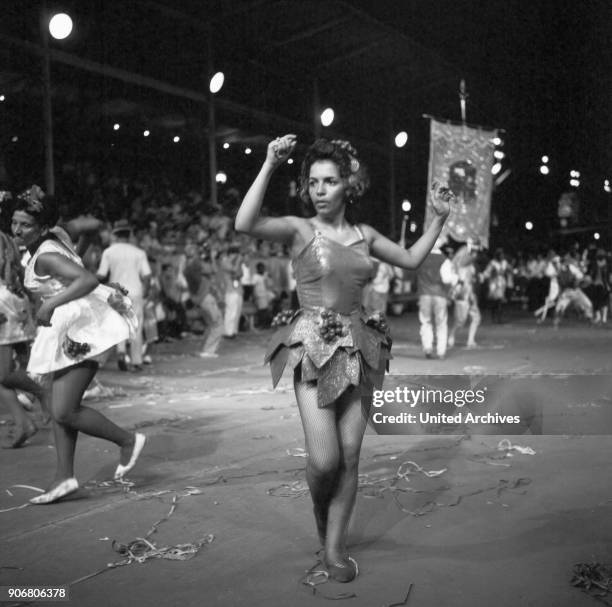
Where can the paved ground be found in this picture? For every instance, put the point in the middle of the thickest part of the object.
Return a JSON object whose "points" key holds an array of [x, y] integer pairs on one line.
{"points": [[223, 464]]}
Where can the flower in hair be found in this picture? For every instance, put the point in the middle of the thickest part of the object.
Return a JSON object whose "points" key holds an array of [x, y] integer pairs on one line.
{"points": [[33, 196], [346, 146], [351, 151]]}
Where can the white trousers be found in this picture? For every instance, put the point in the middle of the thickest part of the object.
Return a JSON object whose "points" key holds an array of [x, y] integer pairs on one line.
{"points": [[233, 309], [433, 318], [137, 340]]}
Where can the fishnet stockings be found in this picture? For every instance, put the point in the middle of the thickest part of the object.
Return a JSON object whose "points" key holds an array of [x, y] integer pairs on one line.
{"points": [[333, 440]]}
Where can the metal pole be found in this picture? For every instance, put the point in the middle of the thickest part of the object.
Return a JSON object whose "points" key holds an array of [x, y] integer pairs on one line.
{"points": [[47, 104], [316, 109], [212, 151], [212, 128], [392, 180]]}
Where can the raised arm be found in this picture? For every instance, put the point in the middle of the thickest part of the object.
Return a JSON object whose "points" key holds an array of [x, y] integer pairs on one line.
{"points": [[248, 219], [410, 259]]}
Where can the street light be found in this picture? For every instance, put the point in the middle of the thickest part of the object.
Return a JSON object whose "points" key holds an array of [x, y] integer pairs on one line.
{"points": [[60, 27], [406, 206], [401, 139], [216, 82], [327, 116]]}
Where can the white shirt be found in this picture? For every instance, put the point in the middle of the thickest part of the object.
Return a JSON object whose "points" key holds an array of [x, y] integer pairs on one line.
{"points": [[126, 264]]}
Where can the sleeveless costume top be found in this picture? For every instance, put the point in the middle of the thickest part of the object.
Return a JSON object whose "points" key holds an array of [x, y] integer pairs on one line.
{"points": [[16, 322], [81, 329], [329, 340]]}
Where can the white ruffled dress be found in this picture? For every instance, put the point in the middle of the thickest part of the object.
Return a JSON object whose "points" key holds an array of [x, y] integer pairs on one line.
{"points": [[82, 329]]}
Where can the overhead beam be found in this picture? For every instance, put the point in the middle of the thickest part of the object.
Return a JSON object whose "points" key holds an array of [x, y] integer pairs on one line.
{"points": [[354, 53], [153, 84], [312, 31]]}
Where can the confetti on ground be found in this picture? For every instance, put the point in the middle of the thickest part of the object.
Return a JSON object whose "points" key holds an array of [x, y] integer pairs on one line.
{"points": [[506, 445], [595, 579], [294, 489], [142, 549], [315, 577], [98, 391]]}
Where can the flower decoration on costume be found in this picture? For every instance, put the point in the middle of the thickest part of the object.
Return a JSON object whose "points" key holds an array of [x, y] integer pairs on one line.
{"points": [[285, 317], [379, 322], [118, 300], [331, 326], [33, 196], [75, 349], [351, 151]]}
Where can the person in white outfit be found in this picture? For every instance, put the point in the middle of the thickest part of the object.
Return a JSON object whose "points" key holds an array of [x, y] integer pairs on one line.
{"points": [[231, 270], [464, 296], [127, 265], [434, 277], [79, 321]]}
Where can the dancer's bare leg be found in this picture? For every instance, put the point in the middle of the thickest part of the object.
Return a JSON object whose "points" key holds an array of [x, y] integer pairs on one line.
{"points": [[70, 417], [24, 427]]}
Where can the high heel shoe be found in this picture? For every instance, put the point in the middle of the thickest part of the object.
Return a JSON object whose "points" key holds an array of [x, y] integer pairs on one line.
{"points": [[70, 485], [344, 570], [121, 471]]}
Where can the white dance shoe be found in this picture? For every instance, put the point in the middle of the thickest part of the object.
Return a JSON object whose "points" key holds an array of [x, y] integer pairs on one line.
{"points": [[70, 485], [139, 442]]}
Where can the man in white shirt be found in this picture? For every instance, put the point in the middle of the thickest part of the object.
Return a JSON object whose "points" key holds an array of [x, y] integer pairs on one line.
{"points": [[126, 264]]}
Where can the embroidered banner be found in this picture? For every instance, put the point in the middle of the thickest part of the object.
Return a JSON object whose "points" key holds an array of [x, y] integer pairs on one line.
{"points": [[463, 157]]}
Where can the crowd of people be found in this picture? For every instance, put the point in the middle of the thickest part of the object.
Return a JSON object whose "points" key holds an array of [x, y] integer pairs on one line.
{"points": [[455, 283], [207, 279]]}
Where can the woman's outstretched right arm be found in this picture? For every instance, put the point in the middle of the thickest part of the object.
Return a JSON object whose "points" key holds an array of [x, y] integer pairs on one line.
{"points": [[248, 219]]}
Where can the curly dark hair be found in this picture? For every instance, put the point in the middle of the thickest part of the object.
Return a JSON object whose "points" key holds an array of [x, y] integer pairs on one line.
{"points": [[344, 155], [41, 206]]}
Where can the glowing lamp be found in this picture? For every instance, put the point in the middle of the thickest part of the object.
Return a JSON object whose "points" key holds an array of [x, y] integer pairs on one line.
{"points": [[60, 26], [401, 139], [216, 82], [327, 116]]}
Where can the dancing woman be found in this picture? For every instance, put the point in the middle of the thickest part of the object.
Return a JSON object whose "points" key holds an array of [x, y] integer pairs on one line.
{"points": [[16, 326], [334, 354], [80, 321]]}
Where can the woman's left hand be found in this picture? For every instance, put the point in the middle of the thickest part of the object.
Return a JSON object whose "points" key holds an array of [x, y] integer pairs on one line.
{"points": [[44, 314], [441, 199]]}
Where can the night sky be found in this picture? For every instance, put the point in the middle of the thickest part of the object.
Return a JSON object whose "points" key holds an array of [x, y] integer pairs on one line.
{"points": [[540, 70]]}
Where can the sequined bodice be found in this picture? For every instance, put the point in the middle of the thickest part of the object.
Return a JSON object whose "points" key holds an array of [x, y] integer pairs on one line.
{"points": [[332, 275]]}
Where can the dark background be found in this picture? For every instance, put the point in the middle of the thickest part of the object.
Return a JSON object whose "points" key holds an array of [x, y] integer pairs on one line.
{"points": [[540, 71]]}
